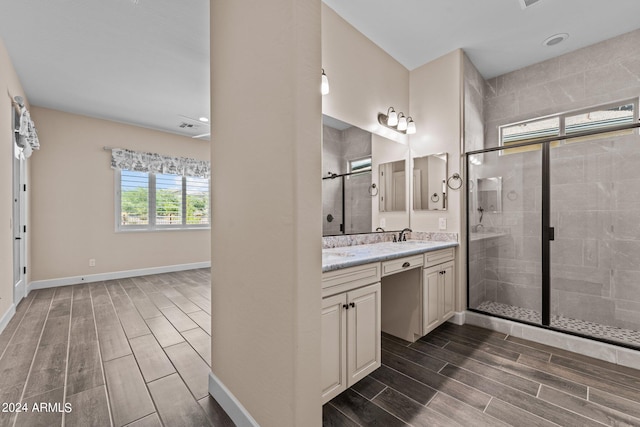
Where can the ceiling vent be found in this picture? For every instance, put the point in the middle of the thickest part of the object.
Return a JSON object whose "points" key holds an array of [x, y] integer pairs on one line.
{"points": [[527, 3]]}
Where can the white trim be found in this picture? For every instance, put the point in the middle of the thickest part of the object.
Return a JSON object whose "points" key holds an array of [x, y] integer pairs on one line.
{"points": [[458, 318], [231, 405], [592, 348], [7, 316], [65, 281]]}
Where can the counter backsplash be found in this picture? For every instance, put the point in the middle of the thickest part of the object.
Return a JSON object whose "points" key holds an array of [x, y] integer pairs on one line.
{"points": [[364, 239]]}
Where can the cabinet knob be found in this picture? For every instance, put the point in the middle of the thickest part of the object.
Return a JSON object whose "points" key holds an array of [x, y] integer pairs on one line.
{"points": [[352, 304], [345, 306], [406, 264]]}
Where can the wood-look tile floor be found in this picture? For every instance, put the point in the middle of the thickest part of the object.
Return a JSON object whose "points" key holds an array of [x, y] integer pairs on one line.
{"points": [[130, 352], [469, 376]]}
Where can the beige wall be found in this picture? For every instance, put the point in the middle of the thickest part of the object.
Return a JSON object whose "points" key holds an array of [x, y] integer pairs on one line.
{"points": [[9, 82], [266, 246], [436, 107], [364, 79], [72, 200]]}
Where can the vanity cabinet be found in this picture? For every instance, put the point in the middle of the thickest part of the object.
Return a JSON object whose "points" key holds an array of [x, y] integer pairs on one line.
{"points": [[350, 335], [438, 289]]}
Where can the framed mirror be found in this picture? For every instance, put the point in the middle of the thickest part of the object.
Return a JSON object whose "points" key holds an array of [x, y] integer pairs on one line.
{"points": [[392, 185], [430, 182], [350, 188], [490, 194]]}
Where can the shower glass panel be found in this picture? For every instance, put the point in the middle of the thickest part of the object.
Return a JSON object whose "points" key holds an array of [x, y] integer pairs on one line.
{"points": [[357, 203], [331, 207], [505, 268], [595, 257]]}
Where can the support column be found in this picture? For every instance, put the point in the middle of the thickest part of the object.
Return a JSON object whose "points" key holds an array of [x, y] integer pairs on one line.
{"points": [[266, 229]]}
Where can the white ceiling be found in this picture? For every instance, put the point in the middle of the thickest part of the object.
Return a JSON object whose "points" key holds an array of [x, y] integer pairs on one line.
{"points": [[498, 35], [146, 62]]}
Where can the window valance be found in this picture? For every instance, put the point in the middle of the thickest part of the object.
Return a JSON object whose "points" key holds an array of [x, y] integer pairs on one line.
{"points": [[157, 163]]}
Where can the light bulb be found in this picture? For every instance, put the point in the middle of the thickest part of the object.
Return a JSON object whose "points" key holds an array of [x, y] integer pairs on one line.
{"points": [[324, 85], [411, 126], [402, 122], [392, 117]]}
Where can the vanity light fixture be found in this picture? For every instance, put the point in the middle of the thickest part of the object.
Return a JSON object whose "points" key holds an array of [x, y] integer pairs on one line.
{"points": [[324, 85], [411, 126], [397, 121], [392, 117], [402, 122]]}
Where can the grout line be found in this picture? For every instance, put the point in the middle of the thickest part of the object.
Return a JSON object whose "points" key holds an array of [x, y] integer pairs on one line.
{"points": [[588, 391], [539, 390], [26, 381], [133, 354], [345, 415], [17, 327], [487, 405], [66, 369], [380, 392], [104, 378]]}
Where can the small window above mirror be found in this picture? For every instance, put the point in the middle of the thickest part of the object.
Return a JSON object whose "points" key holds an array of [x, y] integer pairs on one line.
{"points": [[430, 182]]}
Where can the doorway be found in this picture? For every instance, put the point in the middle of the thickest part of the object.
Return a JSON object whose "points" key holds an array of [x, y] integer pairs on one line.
{"points": [[19, 222]]}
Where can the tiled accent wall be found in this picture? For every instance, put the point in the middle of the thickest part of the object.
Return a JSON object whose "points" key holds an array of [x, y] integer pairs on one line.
{"points": [[595, 192]]}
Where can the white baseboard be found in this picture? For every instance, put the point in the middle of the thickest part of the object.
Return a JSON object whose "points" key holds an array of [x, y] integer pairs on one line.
{"points": [[596, 349], [6, 317], [458, 318], [65, 281], [231, 405]]}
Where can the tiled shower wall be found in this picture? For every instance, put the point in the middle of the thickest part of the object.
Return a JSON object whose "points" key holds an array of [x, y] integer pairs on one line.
{"points": [[338, 148], [595, 192]]}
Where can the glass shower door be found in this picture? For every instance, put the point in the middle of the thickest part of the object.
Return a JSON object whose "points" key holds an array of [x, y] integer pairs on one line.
{"points": [[595, 257], [504, 212]]}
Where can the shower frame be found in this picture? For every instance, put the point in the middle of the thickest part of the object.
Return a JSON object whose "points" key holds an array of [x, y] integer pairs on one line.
{"points": [[547, 231]]}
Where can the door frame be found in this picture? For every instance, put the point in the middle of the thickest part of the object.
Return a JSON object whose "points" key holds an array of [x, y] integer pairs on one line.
{"points": [[18, 222]]}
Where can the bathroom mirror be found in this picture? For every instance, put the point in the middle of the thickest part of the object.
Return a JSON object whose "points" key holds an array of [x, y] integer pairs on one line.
{"points": [[350, 181], [392, 186], [490, 194], [430, 182]]}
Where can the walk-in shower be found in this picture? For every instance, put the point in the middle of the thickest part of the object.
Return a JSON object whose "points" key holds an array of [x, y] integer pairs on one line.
{"points": [[554, 224]]}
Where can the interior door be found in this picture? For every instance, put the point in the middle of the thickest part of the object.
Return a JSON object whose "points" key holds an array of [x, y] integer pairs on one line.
{"points": [[19, 230]]}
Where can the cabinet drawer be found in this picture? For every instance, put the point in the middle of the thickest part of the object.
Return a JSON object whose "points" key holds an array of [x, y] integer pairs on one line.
{"points": [[345, 279], [400, 264], [438, 257]]}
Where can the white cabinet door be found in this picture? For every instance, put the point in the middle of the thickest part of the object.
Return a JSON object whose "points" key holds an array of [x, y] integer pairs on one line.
{"points": [[438, 295], [431, 298], [448, 290], [334, 346], [363, 332]]}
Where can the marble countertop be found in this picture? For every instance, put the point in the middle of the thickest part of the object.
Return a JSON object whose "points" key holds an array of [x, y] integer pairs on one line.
{"points": [[349, 256]]}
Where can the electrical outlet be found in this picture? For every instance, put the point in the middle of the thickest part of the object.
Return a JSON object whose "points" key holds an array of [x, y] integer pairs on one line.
{"points": [[92, 262], [383, 222], [442, 223]]}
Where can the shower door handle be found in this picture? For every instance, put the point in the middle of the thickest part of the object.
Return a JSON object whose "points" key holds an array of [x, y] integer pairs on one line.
{"points": [[552, 233]]}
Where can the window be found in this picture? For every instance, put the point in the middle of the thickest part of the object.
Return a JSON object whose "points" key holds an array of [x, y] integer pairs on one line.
{"points": [[360, 165], [148, 201], [600, 117]]}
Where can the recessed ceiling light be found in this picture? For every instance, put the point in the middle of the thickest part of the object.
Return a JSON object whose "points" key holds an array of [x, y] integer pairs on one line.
{"points": [[204, 120], [555, 39]]}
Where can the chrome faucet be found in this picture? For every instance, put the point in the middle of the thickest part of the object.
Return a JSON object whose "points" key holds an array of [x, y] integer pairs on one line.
{"points": [[401, 236]]}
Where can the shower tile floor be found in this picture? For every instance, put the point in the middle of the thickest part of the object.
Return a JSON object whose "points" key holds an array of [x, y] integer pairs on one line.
{"points": [[627, 336]]}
